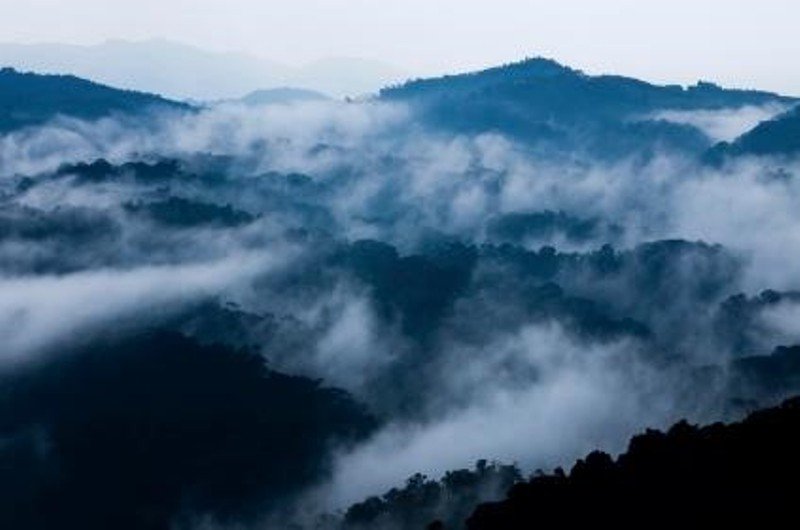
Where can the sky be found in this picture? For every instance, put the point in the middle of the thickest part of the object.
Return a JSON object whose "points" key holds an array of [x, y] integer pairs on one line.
{"points": [[742, 43]]}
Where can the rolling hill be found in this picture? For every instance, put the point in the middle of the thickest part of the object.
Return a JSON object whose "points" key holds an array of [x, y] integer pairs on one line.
{"points": [[32, 99], [539, 100]]}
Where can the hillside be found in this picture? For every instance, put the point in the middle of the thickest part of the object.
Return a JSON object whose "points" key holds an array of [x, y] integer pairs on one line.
{"points": [[183, 71], [133, 432], [690, 476], [779, 136], [32, 99], [541, 100]]}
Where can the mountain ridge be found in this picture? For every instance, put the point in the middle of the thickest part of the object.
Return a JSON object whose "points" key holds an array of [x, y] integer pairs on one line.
{"points": [[32, 99], [187, 72], [542, 102]]}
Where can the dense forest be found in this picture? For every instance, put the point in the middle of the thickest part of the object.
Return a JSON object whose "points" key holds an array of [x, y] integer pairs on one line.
{"points": [[718, 475], [389, 313], [28, 99]]}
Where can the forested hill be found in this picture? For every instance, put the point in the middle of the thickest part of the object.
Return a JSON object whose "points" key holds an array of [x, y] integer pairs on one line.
{"points": [[544, 86], [32, 99], [542, 100]]}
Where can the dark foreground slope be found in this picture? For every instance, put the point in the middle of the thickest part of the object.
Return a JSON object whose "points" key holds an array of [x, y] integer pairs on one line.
{"points": [[149, 431], [689, 477], [32, 99]]}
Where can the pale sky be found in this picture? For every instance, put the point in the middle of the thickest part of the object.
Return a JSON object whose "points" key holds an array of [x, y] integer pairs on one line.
{"points": [[746, 43]]}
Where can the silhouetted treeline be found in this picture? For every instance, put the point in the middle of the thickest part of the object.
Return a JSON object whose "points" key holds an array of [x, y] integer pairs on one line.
{"points": [[689, 477], [422, 500]]}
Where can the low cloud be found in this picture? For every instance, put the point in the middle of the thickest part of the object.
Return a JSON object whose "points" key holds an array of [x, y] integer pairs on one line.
{"points": [[723, 125], [581, 399], [508, 369], [40, 311]]}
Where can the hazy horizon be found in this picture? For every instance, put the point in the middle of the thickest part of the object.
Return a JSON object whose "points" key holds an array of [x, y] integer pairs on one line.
{"points": [[661, 42]]}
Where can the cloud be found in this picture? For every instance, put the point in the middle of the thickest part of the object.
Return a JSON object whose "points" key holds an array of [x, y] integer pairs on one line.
{"points": [[499, 377], [40, 311], [584, 397], [748, 210], [281, 136]]}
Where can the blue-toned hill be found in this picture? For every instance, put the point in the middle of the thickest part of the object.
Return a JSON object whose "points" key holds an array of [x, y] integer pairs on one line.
{"points": [[32, 99], [776, 137], [542, 101]]}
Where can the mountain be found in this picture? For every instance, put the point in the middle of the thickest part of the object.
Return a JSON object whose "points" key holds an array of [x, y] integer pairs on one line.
{"points": [[32, 99], [282, 96], [778, 136], [185, 72], [711, 477], [541, 100]]}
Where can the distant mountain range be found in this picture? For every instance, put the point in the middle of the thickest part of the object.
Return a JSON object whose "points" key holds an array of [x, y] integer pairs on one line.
{"points": [[281, 96], [184, 72]]}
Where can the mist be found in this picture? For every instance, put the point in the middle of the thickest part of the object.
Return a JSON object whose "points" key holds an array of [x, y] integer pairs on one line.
{"points": [[483, 298]]}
